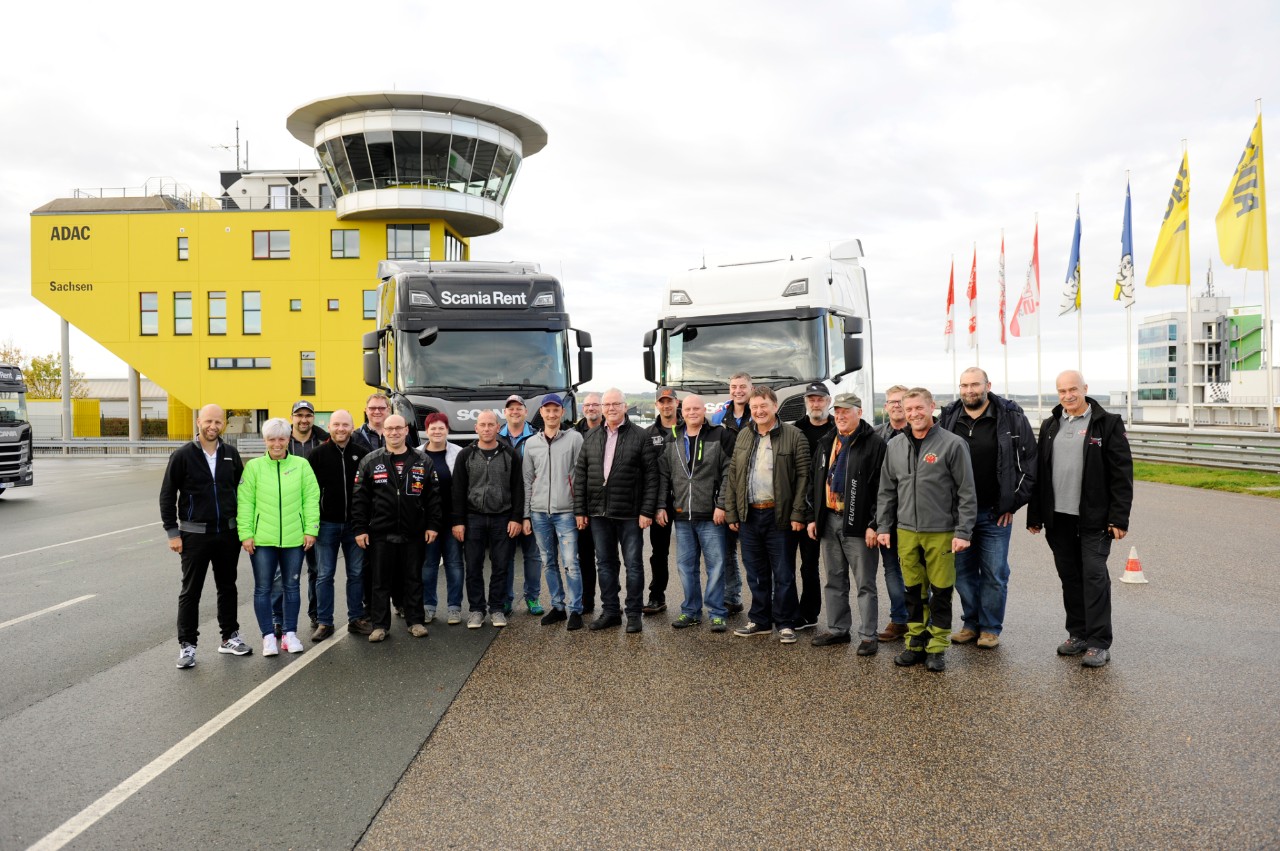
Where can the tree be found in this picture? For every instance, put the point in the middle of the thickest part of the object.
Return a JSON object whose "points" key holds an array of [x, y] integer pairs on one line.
{"points": [[43, 373]]}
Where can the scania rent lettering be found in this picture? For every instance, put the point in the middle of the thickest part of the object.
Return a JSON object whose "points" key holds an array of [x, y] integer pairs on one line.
{"points": [[460, 337], [15, 430]]}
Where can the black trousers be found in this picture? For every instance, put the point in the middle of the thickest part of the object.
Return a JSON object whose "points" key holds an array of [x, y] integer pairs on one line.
{"points": [[1081, 558], [198, 553], [395, 568], [487, 533], [587, 564], [810, 577], [659, 570]]}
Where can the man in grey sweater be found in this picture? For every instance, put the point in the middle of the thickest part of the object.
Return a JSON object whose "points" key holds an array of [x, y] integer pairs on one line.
{"points": [[927, 492]]}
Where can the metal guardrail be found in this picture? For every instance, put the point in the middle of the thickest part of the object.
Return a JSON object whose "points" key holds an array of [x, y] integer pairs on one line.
{"points": [[1207, 447], [248, 447]]}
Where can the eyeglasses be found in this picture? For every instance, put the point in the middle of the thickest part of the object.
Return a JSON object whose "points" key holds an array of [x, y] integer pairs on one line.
{"points": [[888, 402], [615, 404], [395, 428], [377, 408]]}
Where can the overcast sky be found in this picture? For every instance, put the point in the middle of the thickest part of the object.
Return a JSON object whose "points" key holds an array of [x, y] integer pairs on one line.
{"points": [[738, 131]]}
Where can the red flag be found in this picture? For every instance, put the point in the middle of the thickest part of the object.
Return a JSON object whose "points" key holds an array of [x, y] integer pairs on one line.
{"points": [[949, 333], [1026, 316], [1003, 342], [972, 294]]}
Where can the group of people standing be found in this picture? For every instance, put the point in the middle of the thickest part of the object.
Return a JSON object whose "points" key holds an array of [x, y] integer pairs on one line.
{"points": [[931, 502]]}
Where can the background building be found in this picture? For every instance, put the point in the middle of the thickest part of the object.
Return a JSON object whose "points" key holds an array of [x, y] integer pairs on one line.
{"points": [[258, 297]]}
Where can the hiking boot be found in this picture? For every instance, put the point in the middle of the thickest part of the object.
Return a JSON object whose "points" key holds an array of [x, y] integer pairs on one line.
{"points": [[964, 636], [655, 605], [322, 632], [909, 657], [1072, 647], [893, 631], [935, 662], [988, 640], [360, 626]]}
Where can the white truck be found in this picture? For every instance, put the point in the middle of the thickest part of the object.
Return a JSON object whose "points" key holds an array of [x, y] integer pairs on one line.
{"points": [[787, 322]]}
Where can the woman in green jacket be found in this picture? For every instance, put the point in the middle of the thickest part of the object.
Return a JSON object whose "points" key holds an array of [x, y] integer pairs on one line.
{"points": [[278, 517]]}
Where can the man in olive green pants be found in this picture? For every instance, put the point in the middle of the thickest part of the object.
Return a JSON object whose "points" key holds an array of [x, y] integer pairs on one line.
{"points": [[927, 492]]}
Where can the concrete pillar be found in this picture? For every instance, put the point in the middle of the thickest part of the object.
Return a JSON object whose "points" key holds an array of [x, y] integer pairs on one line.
{"points": [[66, 384], [135, 409]]}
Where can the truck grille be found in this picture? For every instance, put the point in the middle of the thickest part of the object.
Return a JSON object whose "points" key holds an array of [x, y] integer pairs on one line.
{"points": [[9, 455]]}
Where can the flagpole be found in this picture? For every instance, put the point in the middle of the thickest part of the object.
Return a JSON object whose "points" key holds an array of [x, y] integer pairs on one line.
{"points": [[955, 337], [1079, 307], [1266, 320], [1002, 326], [977, 355], [1128, 333], [1190, 341], [1039, 329]]}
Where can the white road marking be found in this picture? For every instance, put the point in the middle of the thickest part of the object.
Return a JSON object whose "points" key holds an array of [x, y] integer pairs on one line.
{"points": [[78, 540], [46, 611], [86, 818]]}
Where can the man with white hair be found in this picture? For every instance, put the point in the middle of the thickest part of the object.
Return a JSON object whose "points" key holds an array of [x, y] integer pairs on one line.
{"points": [[335, 463]]}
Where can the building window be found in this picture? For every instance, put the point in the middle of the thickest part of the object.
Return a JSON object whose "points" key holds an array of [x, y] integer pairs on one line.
{"points": [[184, 251], [279, 195], [252, 305], [217, 313], [453, 247], [370, 304], [239, 363], [270, 245], [182, 314], [308, 374], [333, 304], [345, 243], [149, 310], [408, 242], [295, 305]]}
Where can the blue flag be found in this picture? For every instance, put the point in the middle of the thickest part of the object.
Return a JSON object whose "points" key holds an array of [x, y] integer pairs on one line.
{"points": [[1071, 292], [1124, 280]]}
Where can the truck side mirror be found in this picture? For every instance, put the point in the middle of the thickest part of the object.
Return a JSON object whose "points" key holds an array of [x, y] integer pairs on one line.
{"points": [[584, 339], [852, 341], [427, 336], [372, 363], [585, 361], [650, 365]]}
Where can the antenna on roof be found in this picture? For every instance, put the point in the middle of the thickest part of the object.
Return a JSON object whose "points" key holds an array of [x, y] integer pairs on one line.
{"points": [[704, 258], [236, 148]]}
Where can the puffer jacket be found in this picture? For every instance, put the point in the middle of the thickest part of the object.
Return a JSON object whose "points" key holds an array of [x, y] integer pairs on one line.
{"points": [[791, 469], [632, 488], [278, 502], [693, 487]]}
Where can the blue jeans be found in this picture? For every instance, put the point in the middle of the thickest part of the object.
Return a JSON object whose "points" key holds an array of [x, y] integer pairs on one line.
{"points": [[557, 537], [893, 581], [609, 535], [265, 560], [332, 537], [771, 570], [448, 549], [703, 538], [528, 548], [982, 574], [732, 573], [277, 590]]}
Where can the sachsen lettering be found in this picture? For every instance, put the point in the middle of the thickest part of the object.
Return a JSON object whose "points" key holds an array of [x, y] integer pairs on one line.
{"points": [[69, 287]]}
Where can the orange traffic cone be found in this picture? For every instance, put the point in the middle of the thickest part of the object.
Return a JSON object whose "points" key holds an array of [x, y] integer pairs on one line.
{"points": [[1133, 569]]}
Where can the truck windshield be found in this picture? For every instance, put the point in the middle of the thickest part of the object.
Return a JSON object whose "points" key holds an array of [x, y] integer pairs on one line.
{"points": [[13, 407], [480, 359], [782, 348]]}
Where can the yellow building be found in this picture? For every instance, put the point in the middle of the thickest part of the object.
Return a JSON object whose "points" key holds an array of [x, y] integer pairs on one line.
{"points": [[259, 297]]}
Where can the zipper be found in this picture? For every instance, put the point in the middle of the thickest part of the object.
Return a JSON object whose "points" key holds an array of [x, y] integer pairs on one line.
{"points": [[280, 502]]}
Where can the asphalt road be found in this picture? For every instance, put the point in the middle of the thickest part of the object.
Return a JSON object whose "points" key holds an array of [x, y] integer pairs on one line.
{"points": [[665, 739]]}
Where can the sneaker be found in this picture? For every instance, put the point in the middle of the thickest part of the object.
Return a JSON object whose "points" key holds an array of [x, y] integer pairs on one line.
{"points": [[936, 662], [752, 628], [685, 621], [455, 617], [733, 608], [605, 621], [378, 635], [554, 616], [806, 625], [498, 619], [634, 623], [232, 645], [187, 656], [360, 626], [826, 639], [506, 609], [418, 630], [535, 608], [988, 640], [292, 643], [655, 605], [575, 622], [1072, 647], [321, 632], [868, 647], [269, 645], [475, 620], [1096, 657], [893, 631], [787, 635], [429, 614], [964, 636], [718, 625]]}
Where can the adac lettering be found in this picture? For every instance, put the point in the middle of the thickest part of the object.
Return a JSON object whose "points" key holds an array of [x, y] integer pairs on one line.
{"points": [[63, 233]]}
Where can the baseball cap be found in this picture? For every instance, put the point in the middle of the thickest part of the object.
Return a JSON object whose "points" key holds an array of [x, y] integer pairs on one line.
{"points": [[847, 400], [514, 398], [816, 388], [303, 405], [666, 393], [552, 399]]}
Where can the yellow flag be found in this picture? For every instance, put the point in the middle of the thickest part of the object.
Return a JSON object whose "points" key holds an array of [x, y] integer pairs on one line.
{"points": [[1171, 263], [1242, 218]]}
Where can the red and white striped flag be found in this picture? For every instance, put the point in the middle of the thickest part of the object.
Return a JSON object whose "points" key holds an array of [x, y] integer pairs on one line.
{"points": [[949, 333], [1003, 341], [1026, 316], [972, 294]]}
